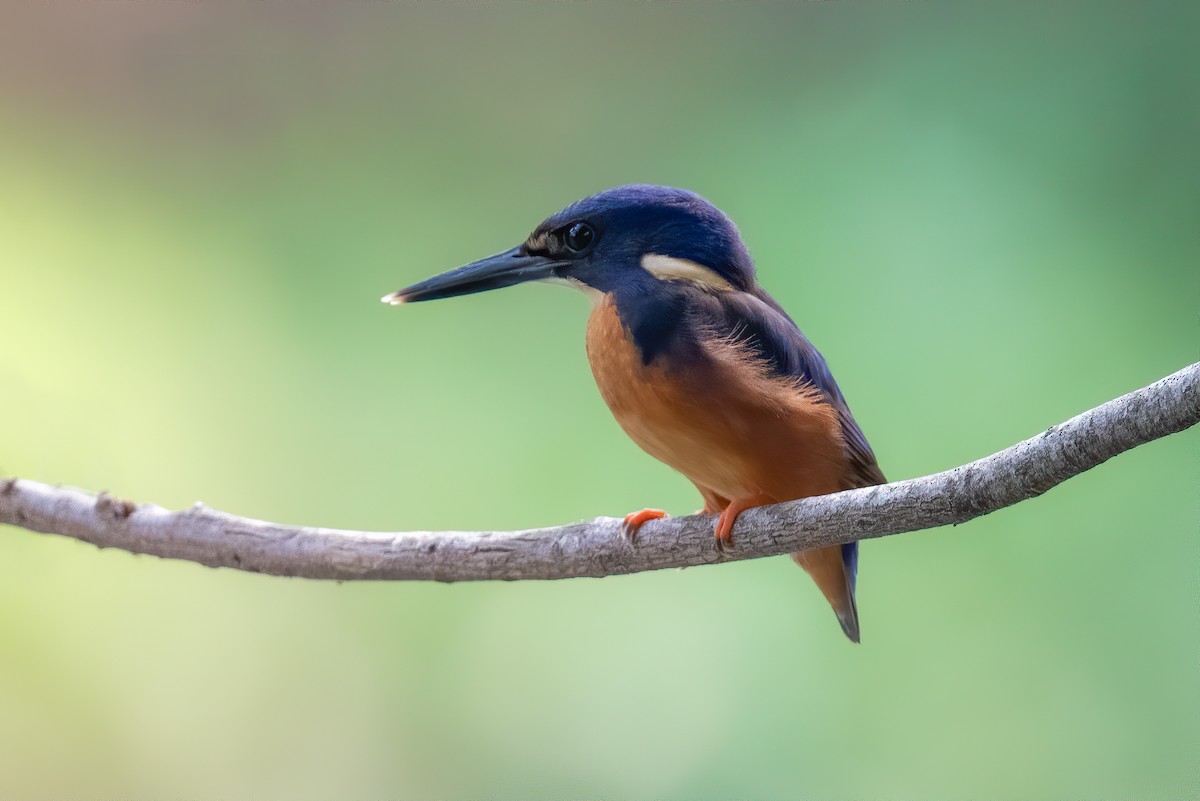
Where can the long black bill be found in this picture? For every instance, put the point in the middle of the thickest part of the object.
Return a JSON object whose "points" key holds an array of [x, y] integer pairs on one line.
{"points": [[503, 269]]}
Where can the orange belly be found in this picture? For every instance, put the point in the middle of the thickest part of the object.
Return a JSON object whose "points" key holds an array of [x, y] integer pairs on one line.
{"points": [[721, 419]]}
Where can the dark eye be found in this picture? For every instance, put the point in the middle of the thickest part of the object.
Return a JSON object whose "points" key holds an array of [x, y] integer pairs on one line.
{"points": [[579, 237]]}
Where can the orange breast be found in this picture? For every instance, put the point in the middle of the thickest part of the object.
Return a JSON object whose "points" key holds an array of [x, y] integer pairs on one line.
{"points": [[722, 420]]}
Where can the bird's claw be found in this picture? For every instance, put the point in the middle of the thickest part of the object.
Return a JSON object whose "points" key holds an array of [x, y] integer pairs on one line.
{"points": [[634, 521]]}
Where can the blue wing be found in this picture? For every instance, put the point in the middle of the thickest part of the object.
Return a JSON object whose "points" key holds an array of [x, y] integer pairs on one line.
{"points": [[759, 322]]}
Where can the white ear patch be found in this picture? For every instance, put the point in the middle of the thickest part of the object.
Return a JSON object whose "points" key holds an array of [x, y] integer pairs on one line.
{"points": [[669, 268]]}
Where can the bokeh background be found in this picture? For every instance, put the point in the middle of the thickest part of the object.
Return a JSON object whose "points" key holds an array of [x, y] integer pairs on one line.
{"points": [[983, 214]]}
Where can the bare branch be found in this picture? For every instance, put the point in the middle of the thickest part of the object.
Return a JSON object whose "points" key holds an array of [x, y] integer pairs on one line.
{"points": [[216, 539]]}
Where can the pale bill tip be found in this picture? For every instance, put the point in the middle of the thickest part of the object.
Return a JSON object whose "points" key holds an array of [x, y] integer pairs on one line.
{"points": [[394, 299]]}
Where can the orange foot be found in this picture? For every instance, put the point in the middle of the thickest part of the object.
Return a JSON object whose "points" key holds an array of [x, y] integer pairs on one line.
{"points": [[635, 520], [729, 516]]}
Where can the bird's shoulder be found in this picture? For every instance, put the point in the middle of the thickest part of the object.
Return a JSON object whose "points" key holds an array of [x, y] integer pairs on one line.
{"points": [[758, 325]]}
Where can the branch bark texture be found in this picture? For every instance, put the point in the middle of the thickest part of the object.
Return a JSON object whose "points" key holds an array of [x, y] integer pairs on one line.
{"points": [[595, 548]]}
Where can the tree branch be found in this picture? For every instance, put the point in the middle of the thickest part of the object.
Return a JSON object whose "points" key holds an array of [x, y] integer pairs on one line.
{"points": [[216, 539]]}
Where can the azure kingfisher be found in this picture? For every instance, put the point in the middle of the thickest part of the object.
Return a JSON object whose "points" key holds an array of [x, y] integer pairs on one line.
{"points": [[700, 366]]}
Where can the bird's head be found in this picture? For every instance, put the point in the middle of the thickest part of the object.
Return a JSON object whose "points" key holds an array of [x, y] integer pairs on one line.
{"points": [[630, 236]]}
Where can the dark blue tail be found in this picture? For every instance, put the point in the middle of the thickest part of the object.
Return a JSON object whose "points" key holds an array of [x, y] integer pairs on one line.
{"points": [[849, 617]]}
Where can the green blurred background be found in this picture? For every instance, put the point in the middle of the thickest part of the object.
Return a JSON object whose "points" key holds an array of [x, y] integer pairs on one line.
{"points": [[984, 215]]}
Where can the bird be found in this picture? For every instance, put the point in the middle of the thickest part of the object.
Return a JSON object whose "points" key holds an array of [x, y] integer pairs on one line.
{"points": [[701, 367]]}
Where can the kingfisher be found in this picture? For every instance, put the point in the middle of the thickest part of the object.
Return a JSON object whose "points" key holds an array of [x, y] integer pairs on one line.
{"points": [[699, 365]]}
